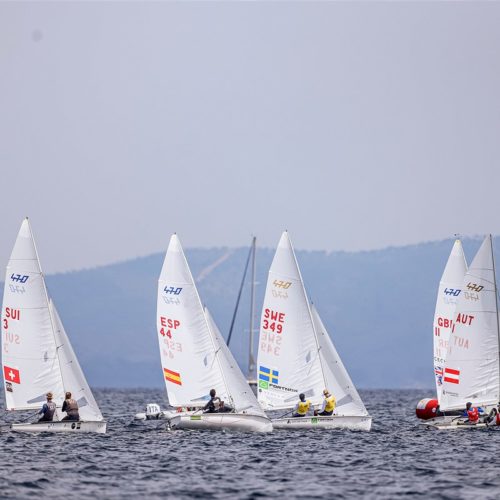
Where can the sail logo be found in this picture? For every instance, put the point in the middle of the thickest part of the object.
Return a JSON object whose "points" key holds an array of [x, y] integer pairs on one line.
{"points": [[11, 375], [172, 290], [16, 288], [267, 376], [18, 278], [171, 301], [471, 296], [451, 376], [282, 284], [474, 287], [452, 291], [172, 376]]}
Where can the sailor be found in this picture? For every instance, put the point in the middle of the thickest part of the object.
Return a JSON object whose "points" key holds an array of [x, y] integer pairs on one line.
{"points": [[48, 409], [224, 408], [494, 416], [213, 405], [472, 413], [70, 406], [329, 403], [302, 407]]}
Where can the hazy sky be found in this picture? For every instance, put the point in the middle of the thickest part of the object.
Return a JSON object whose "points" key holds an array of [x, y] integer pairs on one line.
{"points": [[354, 125]]}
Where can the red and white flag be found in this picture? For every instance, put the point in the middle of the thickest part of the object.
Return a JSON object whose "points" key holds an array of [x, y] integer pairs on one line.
{"points": [[11, 375], [452, 376]]}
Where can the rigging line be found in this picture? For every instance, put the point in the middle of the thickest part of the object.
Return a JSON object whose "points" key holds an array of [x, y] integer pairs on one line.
{"points": [[239, 297]]}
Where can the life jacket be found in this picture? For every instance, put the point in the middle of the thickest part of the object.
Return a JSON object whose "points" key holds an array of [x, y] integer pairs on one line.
{"points": [[330, 403], [303, 407], [71, 408], [498, 418], [473, 414], [51, 409]]}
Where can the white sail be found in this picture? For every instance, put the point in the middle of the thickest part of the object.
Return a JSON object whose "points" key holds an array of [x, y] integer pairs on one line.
{"points": [[30, 364], [338, 381], [190, 366], [471, 370], [72, 374], [288, 357], [450, 288], [241, 394]]}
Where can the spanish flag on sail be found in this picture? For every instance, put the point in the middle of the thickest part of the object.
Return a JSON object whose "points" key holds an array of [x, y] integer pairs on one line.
{"points": [[172, 376]]}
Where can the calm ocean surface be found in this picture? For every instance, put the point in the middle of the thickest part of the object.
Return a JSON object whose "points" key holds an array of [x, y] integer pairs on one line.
{"points": [[396, 458]]}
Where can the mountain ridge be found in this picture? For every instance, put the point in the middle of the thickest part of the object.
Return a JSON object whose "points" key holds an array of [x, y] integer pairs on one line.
{"points": [[377, 305]]}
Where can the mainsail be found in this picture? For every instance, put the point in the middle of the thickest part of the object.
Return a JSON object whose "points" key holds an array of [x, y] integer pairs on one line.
{"points": [[29, 355], [471, 369], [37, 355], [295, 353], [450, 288], [187, 347]]}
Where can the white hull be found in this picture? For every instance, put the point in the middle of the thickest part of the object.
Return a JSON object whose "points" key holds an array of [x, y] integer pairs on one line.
{"points": [[222, 421], [451, 423], [354, 423], [61, 426]]}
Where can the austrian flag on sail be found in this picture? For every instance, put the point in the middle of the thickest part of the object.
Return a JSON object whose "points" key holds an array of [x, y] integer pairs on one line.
{"points": [[451, 376]]}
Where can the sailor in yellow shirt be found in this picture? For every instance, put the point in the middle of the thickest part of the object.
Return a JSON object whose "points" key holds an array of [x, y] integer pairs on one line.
{"points": [[302, 407], [329, 404]]}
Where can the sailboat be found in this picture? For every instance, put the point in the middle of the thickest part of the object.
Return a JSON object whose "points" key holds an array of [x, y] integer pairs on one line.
{"points": [[37, 356], [296, 354], [450, 288], [195, 358], [472, 364]]}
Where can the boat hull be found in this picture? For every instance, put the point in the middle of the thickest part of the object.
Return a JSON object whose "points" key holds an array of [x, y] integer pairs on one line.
{"points": [[242, 422], [451, 424], [351, 422], [62, 426]]}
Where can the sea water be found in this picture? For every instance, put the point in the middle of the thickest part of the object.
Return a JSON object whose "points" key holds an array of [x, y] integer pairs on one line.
{"points": [[397, 458]]}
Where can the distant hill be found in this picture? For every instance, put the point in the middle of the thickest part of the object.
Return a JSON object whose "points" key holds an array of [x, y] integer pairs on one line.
{"points": [[378, 307]]}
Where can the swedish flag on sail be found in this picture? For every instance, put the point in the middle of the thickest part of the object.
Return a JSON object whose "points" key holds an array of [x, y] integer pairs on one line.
{"points": [[266, 376]]}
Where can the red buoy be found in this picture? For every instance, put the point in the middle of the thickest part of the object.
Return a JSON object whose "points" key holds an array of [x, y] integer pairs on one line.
{"points": [[427, 408]]}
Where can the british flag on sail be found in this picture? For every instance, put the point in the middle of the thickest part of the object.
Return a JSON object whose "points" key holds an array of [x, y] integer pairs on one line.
{"points": [[438, 371]]}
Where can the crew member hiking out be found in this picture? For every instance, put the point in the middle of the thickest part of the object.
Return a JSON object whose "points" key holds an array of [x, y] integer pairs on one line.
{"points": [[329, 404], [213, 405], [48, 409], [302, 407], [70, 406]]}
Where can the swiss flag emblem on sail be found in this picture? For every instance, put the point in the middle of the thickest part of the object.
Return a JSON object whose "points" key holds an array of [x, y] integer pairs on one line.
{"points": [[11, 375], [452, 376]]}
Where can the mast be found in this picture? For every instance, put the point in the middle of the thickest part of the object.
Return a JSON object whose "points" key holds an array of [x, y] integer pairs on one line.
{"points": [[251, 357]]}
